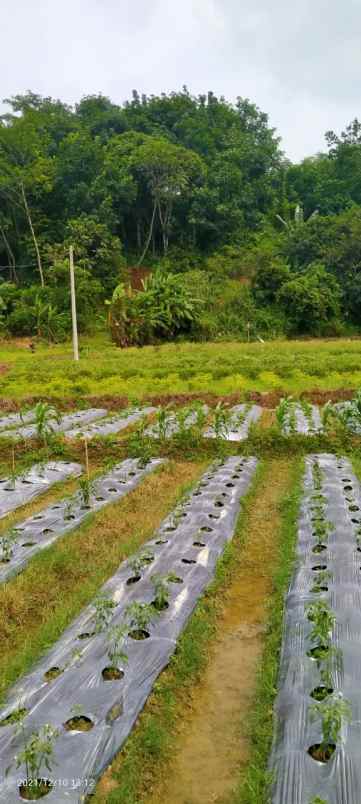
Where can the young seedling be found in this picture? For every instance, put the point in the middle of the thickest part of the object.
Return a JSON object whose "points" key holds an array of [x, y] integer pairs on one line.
{"points": [[79, 720], [7, 544], [308, 412], [69, 508], [333, 713], [37, 753], [321, 582], [139, 561], [104, 609], [318, 800], [161, 589], [328, 415], [139, 616], [323, 621]]}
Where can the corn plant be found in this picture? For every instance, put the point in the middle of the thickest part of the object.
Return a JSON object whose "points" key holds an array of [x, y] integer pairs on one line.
{"points": [[139, 445], [46, 416], [308, 412], [221, 422], [284, 413], [38, 752], [86, 489], [333, 713], [328, 415], [163, 419], [116, 637], [104, 608], [7, 544]]}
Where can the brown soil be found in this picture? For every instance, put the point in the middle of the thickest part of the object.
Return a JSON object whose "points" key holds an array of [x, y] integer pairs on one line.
{"points": [[211, 739]]}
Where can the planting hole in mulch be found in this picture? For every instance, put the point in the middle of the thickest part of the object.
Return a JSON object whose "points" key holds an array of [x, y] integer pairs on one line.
{"points": [[133, 579], [188, 561], [148, 559], [320, 693], [162, 541], [320, 548], [353, 508], [175, 579], [206, 529], [14, 717], [86, 635], [160, 606], [355, 521], [319, 567], [39, 516], [199, 544], [219, 504], [35, 789], [69, 517], [346, 480], [139, 633], [317, 589], [170, 529], [47, 530], [319, 652], [347, 488], [79, 723], [52, 673], [112, 674], [100, 499], [214, 516], [322, 753]]}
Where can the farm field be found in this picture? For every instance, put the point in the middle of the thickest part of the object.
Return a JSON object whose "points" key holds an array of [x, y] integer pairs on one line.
{"points": [[143, 597], [284, 367]]}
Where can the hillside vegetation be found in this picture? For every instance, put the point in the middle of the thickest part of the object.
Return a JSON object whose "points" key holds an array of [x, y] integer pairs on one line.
{"points": [[242, 244]]}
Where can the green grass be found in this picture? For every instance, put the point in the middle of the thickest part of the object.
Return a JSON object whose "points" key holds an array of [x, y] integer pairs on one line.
{"points": [[178, 368]]}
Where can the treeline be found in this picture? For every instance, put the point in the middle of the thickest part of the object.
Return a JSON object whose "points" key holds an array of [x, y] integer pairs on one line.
{"points": [[241, 242]]}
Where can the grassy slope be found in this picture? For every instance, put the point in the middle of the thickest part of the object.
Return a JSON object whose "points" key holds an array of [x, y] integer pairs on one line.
{"points": [[219, 368]]}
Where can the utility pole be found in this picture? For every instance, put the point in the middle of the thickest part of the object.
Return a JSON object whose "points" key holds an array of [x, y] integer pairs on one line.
{"points": [[73, 304]]}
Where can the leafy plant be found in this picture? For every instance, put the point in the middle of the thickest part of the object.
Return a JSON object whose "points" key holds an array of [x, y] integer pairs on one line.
{"points": [[104, 608], [139, 615], [7, 544], [333, 713], [323, 620], [283, 412], [38, 752], [140, 560], [163, 419], [161, 589], [116, 637], [221, 422]]}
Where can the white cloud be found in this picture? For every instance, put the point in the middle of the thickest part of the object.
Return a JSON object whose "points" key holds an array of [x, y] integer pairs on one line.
{"points": [[298, 62]]}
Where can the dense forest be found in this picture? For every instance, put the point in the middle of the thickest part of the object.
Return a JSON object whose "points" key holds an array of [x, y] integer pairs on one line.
{"points": [[238, 241]]}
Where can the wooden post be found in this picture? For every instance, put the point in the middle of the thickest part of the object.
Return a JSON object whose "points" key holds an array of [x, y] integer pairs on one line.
{"points": [[86, 457], [13, 458], [73, 304]]}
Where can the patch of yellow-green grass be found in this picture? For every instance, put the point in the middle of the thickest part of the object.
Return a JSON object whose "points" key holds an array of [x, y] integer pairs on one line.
{"points": [[38, 604], [178, 368]]}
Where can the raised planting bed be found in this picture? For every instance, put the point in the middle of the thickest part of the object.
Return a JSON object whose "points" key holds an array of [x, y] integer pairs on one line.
{"points": [[233, 424], [41, 530], [105, 664], [20, 490], [316, 751], [16, 419], [112, 424], [298, 417], [67, 421]]}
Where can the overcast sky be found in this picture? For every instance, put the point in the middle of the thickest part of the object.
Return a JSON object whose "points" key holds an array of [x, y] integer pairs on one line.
{"points": [[298, 60]]}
